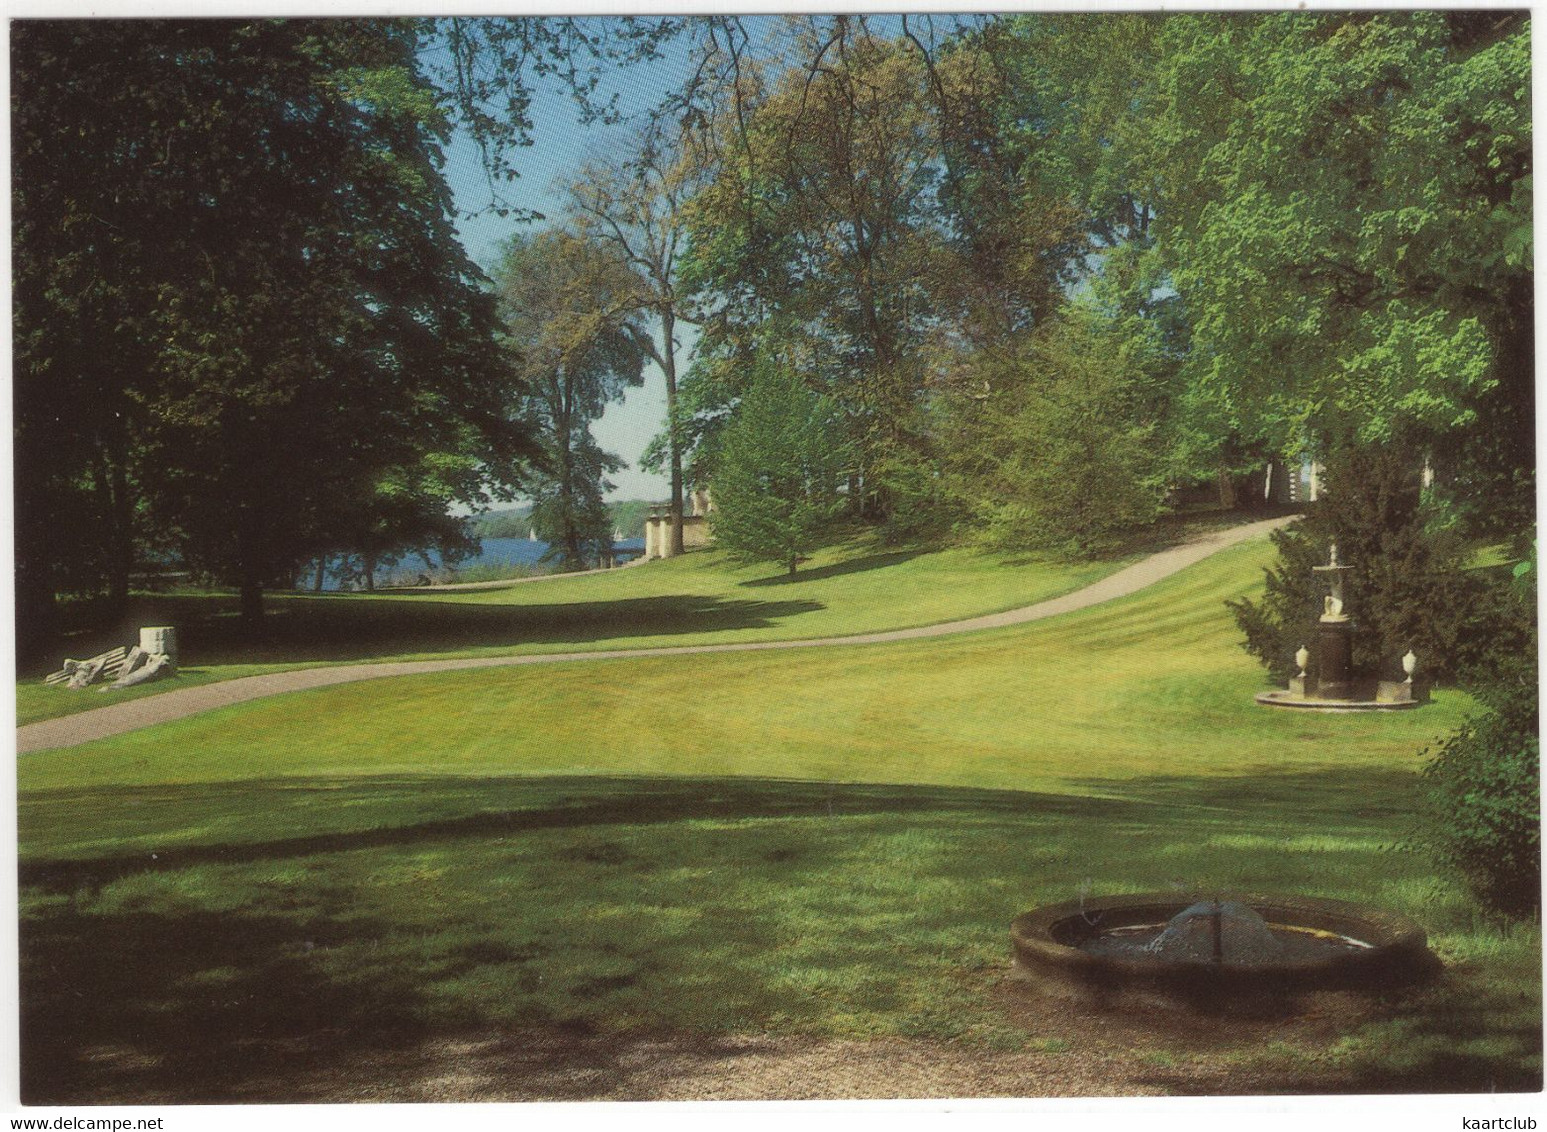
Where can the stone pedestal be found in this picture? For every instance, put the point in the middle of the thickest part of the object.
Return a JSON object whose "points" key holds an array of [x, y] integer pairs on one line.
{"points": [[1335, 651], [1393, 692], [160, 639]]}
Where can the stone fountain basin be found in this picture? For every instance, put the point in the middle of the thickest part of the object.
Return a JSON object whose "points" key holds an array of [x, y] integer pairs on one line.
{"points": [[1371, 951]]}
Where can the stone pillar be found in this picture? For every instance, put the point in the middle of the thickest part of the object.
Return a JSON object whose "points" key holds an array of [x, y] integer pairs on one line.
{"points": [[162, 640], [1335, 679]]}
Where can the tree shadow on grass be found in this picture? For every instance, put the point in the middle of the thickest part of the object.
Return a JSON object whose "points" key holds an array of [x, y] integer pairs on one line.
{"points": [[500, 808], [330, 628], [839, 569], [183, 1007], [1447, 1037], [181, 995]]}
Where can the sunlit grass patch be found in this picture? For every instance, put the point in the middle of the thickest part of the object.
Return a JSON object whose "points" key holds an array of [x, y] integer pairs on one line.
{"points": [[700, 598]]}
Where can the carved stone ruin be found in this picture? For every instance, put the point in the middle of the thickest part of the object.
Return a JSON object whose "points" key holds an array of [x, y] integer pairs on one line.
{"points": [[154, 657]]}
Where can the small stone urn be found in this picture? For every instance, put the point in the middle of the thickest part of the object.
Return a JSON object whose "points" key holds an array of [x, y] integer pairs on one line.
{"points": [[1297, 683]]}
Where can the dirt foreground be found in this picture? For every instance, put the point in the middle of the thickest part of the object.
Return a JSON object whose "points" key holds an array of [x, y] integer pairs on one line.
{"points": [[1070, 1051]]}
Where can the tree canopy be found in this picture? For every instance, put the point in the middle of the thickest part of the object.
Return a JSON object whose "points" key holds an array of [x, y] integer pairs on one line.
{"points": [[245, 331], [572, 309], [1034, 264]]}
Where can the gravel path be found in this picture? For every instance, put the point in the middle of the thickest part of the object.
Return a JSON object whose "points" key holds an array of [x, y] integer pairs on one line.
{"points": [[132, 715]]}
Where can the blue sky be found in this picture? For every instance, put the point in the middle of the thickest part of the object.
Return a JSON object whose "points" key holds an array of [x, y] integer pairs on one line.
{"points": [[560, 144]]}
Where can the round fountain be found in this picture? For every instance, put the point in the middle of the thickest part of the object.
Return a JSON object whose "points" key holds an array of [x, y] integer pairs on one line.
{"points": [[1215, 955]]}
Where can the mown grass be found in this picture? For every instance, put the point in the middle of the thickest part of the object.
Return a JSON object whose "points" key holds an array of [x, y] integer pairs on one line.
{"points": [[826, 842], [699, 598], [622, 906], [1153, 683]]}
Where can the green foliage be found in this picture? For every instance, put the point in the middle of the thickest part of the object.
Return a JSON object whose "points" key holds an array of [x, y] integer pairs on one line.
{"points": [[628, 517], [1409, 588], [1056, 445], [514, 522], [823, 239], [780, 463], [1344, 209], [248, 218], [1484, 795], [571, 307]]}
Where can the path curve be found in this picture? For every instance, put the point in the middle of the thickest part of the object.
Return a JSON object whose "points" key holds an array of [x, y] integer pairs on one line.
{"points": [[100, 723]]}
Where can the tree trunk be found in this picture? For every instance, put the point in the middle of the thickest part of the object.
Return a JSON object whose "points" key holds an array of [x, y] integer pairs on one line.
{"points": [[249, 571], [322, 569], [111, 487], [1226, 489], [673, 440], [121, 550], [252, 604]]}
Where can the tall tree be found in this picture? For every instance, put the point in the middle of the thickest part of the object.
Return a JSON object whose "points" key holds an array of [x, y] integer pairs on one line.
{"points": [[778, 470], [1060, 443], [254, 215], [572, 307], [637, 205], [192, 201], [822, 221], [1347, 217]]}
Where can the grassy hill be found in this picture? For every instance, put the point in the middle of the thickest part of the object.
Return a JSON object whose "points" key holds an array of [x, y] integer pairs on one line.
{"points": [[810, 844], [699, 598]]}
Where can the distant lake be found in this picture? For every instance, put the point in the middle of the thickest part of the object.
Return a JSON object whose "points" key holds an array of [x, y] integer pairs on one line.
{"points": [[493, 552]]}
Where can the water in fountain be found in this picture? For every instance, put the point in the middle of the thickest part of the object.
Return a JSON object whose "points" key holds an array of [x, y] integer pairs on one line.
{"points": [[1240, 936], [1213, 931]]}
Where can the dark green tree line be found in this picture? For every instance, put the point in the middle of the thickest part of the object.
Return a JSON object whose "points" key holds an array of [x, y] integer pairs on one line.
{"points": [[241, 309]]}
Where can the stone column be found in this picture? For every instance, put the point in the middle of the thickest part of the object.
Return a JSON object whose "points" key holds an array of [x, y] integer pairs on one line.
{"points": [[1335, 680], [1335, 637], [162, 640]]}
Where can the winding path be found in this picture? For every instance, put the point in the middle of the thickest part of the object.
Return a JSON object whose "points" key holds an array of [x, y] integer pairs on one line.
{"points": [[100, 723]]}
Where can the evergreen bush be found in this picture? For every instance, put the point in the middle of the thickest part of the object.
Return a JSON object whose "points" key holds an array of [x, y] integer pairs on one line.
{"points": [[1410, 587]]}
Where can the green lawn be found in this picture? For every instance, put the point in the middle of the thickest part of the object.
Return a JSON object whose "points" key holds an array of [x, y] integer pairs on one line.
{"points": [[699, 598], [822, 842]]}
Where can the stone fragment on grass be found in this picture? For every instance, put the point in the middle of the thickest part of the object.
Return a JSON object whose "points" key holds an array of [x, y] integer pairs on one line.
{"points": [[155, 666]]}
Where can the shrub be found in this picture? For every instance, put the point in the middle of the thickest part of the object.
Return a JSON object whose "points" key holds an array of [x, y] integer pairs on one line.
{"points": [[1056, 446], [1484, 800]]}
